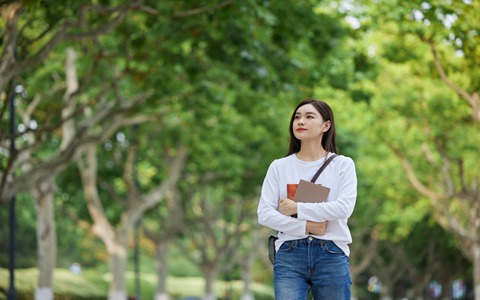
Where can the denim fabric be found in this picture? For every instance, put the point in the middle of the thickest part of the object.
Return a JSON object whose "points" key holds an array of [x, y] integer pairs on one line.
{"points": [[311, 264]]}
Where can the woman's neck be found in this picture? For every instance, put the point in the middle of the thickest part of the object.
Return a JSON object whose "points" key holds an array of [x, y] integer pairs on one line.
{"points": [[310, 152]]}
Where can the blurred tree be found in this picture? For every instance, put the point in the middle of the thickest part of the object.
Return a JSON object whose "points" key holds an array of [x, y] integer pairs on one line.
{"points": [[135, 203], [47, 142], [34, 47], [236, 70], [163, 226], [427, 106], [221, 79]]}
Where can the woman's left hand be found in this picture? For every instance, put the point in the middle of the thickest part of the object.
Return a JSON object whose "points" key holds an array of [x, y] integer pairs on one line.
{"points": [[287, 206]]}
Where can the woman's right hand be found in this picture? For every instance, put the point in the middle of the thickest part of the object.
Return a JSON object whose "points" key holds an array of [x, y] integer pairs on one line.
{"points": [[316, 228]]}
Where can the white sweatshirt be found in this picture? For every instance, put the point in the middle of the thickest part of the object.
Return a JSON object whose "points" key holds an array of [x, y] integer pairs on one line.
{"points": [[339, 176]]}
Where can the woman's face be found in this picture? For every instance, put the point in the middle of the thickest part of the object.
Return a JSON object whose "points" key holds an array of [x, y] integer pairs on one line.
{"points": [[308, 124]]}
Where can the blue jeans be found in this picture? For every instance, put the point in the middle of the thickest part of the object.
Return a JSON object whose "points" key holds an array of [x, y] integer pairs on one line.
{"points": [[311, 264]]}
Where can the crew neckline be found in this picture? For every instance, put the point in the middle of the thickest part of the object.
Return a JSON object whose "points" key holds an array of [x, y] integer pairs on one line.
{"points": [[314, 162]]}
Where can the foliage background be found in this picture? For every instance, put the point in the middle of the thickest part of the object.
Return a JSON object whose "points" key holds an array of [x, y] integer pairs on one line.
{"points": [[221, 78]]}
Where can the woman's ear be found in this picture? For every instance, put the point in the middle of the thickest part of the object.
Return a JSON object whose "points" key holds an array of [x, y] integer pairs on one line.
{"points": [[326, 126]]}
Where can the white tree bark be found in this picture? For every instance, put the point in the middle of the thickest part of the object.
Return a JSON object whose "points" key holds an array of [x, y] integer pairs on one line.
{"points": [[476, 271], [247, 275], [116, 241], [46, 238], [44, 193], [117, 295], [43, 293], [210, 296], [162, 271], [162, 296], [95, 129], [247, 296], [118, 265], [209, 274]]}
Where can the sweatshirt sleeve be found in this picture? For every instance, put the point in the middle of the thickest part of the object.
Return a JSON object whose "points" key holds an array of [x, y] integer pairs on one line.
{"points": [[342, 206], [267, 212]]}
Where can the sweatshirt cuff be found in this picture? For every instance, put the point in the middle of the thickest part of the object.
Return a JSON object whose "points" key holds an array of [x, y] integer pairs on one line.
{"points": [[301, 212], [297, 227], [304, 212], [301, 228]]}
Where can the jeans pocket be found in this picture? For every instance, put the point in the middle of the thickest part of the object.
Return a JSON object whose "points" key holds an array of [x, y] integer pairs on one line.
{"points": [[332, 248], [288, 246]]}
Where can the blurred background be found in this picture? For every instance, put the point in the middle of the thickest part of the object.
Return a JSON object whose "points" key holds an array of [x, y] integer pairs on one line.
{"points": [[135, 136]]}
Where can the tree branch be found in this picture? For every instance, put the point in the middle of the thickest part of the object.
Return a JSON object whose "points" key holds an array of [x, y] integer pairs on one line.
{"points": [[154, 196], [129, 169], [11, 14], [201, 10], [367, 252], [88, 167], [84, 135], [412, 177], [80, 223], [69, 100], [10, 67], [473, 100]]}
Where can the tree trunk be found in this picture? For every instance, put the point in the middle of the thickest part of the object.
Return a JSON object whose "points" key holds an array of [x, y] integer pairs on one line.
{"points": [[445, 281], [363, 252], [117, 241], [353, 277], [444, 203], [476, 270], [418, 288], [46, 238], [247, 276], [118, 266], [162, 271], [387, 289], [209, 280]]}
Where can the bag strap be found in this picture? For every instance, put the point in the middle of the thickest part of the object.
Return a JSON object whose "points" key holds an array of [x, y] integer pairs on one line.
{"points": [[324, 165]]}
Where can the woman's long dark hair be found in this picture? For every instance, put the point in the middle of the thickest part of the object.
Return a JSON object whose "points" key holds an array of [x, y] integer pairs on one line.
{"points": [[329, 141]]}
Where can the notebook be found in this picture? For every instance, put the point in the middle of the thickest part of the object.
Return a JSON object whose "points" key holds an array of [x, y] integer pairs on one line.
{"points": [[308, 192]]}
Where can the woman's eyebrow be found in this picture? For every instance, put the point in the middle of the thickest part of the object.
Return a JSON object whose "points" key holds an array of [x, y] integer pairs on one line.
{"points": [[307, 113]]}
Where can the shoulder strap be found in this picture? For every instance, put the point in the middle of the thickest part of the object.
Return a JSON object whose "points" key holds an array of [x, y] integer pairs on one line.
{"points": [[324, 165]]}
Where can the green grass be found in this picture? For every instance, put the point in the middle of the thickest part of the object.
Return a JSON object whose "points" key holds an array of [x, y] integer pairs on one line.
{"points": [[67, 285], [91, 284]]}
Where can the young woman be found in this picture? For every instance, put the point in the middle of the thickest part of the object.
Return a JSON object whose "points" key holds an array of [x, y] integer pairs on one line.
{"points": [[312, 249]]}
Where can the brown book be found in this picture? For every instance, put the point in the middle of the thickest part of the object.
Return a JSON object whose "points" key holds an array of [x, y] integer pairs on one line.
{"points": [[308, 192]]}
